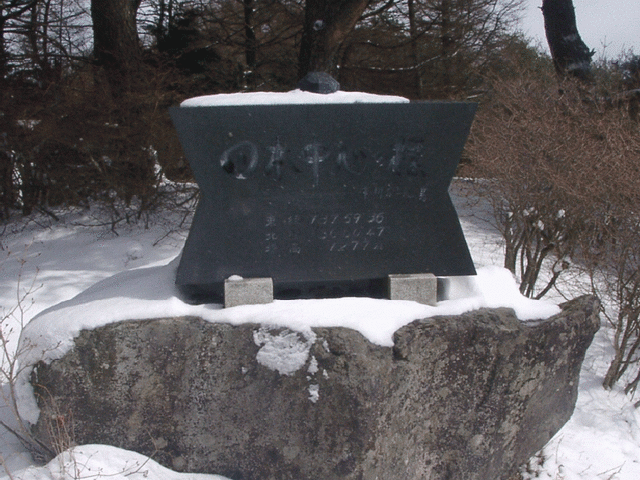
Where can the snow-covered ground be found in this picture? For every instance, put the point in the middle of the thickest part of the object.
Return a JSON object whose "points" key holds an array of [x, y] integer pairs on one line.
{"points": [[48, 263]]}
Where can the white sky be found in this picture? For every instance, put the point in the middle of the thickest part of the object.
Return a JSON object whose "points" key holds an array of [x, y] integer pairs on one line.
{"points": [[611, 23]]}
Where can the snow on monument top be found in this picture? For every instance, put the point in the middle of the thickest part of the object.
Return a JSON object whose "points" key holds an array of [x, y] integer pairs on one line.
{"points": [[294, 97]]}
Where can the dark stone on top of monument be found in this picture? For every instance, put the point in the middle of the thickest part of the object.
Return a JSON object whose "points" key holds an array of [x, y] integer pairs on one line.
{"points": [[326, 199], [319, 82]]}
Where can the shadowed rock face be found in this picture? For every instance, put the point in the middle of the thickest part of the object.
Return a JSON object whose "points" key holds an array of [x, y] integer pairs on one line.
{"points": [[467, 397]]}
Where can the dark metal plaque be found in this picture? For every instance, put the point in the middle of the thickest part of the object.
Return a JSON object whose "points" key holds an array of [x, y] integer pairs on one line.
{"points": [[325, 199]]}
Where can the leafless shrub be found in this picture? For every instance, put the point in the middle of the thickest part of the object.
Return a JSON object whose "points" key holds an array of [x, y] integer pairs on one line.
{"points": [[72, 144], [516, 145], [12, 322], [562, 171]]}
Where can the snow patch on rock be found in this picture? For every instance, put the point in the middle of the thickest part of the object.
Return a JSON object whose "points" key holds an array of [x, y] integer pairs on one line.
{"points": [[284, 351]]}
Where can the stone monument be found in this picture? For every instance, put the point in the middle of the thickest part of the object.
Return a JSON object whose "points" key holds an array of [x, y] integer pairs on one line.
{"points": [[326, 200]]}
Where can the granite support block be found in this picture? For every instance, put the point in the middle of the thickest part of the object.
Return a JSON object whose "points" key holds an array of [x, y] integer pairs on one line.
{"points": [[247, 291], [421, 288]]}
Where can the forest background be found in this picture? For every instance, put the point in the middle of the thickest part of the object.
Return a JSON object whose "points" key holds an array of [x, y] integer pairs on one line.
{"points": [[85, 88]]}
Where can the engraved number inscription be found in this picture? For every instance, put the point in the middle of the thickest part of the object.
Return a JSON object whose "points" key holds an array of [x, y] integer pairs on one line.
{"points": [[329, 232]]}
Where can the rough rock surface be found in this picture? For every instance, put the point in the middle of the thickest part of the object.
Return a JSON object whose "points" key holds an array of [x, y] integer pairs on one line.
{"points": [[468, 397]]}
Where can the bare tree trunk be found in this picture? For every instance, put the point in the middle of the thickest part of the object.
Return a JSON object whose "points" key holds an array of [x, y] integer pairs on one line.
{"points": [[116, 44], [570, 55], [446, 45], [326, 24], [9, 11], [413, 32], [4, 58], [38, 53], [250, 42]]}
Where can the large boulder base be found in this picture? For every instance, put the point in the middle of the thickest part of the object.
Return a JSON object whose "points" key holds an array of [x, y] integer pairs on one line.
{"points": [[468, 397]]}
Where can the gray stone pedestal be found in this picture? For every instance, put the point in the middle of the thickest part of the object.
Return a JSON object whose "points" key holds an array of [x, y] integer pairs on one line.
{"points": [[421, 288], [247, 291], [468, 397]]}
